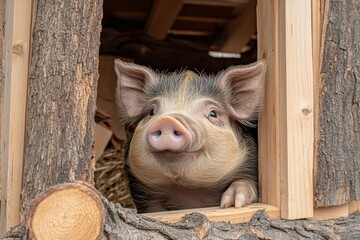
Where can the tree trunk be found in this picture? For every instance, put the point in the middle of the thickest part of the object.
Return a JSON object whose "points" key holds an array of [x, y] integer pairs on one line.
{"points": [[338, 155], [109, 221], [62, 95]]}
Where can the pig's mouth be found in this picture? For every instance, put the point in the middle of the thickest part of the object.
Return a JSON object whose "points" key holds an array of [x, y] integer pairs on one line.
{"points": [[171, 157]]}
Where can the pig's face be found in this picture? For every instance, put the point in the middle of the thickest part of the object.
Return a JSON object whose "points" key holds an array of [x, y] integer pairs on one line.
{"points": [[180, 139], [188, 130]]}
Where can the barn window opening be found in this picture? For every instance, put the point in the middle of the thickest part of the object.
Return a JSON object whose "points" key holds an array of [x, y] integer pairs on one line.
{"points": [[197, 35]]}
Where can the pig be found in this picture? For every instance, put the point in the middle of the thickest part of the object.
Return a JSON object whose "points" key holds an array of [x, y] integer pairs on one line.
{"points": [[192, 145]]}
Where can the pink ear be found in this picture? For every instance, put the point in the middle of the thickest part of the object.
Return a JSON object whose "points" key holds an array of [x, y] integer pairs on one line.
{"points": [[246, 84], [131, 83]]}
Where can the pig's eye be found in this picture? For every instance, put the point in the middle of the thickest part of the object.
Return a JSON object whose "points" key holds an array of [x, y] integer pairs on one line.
{"points": [[213, 114], [151, 113]]}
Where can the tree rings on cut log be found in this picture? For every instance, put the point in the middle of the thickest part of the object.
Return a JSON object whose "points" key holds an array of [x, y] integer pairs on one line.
{"points": [[67, 211]]}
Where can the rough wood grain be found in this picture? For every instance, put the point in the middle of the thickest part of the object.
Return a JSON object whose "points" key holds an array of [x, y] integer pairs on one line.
{"points": [[338, 155], [67, 211], [121, 223], [62, 93], [2, 79]]}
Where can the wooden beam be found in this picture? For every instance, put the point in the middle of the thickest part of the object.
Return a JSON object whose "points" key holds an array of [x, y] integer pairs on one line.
{"points": [[269, 145], [354, 206], [231, 3], [2, 81], [318, 34], [202, 19], [344, 210], [17, 47], [296, 108], [162, 17], [233, 215], [191, 32], [239, 31]]}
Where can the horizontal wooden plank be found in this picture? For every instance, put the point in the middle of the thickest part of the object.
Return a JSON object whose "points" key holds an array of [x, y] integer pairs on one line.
{"points": [[202, 19], [233, 215], [344, 210], [216, 2], [190, 32]]}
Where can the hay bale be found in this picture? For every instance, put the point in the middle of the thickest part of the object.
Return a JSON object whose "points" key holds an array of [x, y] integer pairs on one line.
{"points": [[110, 176]]}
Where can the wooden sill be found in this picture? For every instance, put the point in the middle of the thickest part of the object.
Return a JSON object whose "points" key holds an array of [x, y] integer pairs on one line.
{"points": [[233, 215]]}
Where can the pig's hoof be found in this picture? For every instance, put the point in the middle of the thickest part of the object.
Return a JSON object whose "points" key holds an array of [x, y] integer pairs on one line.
{"points": [[239, 194]]}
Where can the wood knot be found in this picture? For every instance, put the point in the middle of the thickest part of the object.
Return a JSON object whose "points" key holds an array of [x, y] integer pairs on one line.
{"points": [[18, 49], [306, 111]]}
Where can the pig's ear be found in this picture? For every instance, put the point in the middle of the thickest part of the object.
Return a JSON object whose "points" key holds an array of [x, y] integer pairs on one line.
{"points": [[246, 84], [131, 83]]}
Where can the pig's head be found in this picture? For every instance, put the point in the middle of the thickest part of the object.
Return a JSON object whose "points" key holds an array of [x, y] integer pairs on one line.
{"points": [[188, 126]]}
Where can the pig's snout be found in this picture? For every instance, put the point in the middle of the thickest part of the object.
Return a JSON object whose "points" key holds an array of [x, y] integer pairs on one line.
{"points": [[168, 134]]}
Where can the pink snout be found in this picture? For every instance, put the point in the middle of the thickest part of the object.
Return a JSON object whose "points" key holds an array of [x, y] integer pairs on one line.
{"points": [[168, 134]]}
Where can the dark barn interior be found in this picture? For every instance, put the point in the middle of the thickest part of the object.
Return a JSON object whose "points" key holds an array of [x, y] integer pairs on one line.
{"points": [[166, 35]]}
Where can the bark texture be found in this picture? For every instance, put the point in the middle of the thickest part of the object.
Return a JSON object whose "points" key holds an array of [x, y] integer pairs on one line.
{"points": [[338, 160], [62, 95], [121, 223]]}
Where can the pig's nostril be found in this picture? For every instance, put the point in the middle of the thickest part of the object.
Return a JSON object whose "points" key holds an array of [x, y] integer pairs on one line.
{"points": [[157, 133], [177, 133]]}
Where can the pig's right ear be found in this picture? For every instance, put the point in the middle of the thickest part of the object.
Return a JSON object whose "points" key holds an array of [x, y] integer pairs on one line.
{"points": [[131, 82]]}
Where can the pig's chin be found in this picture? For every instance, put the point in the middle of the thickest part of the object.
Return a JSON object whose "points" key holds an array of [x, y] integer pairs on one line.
{"points": [[170, 157]]}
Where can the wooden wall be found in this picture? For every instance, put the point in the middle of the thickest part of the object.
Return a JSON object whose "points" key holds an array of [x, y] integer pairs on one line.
{"points": [[2, 79], [62, 95], [62, 101], [16, 51], [338, 119]]}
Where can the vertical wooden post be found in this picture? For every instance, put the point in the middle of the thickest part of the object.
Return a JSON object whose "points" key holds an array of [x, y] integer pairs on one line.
{"points": [[62, 95], [17, 50], [2, 85], [269, 147], [337, 177], [296, 108]]}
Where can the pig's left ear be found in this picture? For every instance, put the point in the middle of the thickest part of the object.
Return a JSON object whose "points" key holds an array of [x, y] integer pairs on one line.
{"points": [[246, 84]]}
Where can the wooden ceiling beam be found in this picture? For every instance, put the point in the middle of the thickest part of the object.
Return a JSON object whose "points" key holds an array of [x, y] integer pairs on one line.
{"points": [[162, 17], [202, 19], [239, 31], [216, 2], [191, 32]]}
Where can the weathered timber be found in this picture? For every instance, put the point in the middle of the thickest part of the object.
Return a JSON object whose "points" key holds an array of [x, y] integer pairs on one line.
{"points": [[121, 223], [62, 95], [2, 77], [338, 156]]}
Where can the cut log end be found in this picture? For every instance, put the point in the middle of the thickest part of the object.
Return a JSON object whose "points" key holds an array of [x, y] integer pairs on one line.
{"points": [[67, 211]]}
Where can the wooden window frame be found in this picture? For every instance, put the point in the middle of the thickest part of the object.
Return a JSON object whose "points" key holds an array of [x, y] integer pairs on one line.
{"points": [[17, 47], [286, 125], [288, 38]]}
